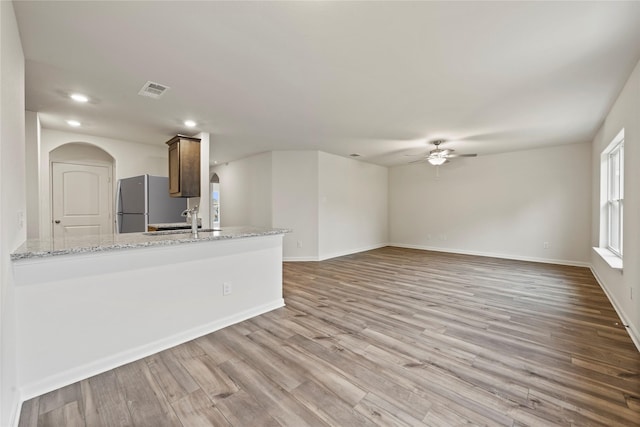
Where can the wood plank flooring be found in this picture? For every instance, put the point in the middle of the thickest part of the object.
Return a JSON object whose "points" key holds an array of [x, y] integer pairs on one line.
{"points": [[393, 337]]}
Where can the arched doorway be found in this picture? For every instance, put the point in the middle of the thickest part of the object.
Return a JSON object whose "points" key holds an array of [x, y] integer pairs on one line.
{"points": [[81, 192], [214, 191]]}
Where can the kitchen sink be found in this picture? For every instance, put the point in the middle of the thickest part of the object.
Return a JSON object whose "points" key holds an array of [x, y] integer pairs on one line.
{"points": [[179, 231]]}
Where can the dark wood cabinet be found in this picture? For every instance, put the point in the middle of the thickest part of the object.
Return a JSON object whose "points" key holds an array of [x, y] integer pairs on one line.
{"points": [[184, 166]]}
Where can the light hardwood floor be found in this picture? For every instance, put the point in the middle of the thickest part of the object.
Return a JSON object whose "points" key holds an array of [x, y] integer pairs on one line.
{"points": [[386, 337]]}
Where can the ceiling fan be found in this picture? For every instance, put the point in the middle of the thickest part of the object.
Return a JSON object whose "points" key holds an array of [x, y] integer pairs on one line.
{"points": [[440, 156]]}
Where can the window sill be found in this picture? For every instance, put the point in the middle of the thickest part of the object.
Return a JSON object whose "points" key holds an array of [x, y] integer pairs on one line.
{"points": [[610, 258]]}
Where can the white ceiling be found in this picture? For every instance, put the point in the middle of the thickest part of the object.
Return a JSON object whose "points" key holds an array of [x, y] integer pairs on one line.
{"points": [[374, 78]]}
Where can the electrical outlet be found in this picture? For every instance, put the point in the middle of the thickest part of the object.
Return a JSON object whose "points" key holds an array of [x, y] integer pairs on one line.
{"points": [[546, 245], [299, 243], [226, 288]]}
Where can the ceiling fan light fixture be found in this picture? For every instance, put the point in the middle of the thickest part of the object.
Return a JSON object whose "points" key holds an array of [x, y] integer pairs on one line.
{"points": [[436, 161], [78, 97]]}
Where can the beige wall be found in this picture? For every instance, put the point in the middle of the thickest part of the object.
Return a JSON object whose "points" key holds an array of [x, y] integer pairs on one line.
{"points": [[505, 205], [353, 213], [32, 159], [295, 202], [333, 205], [623, 287], [245, 191], [12, 201]]}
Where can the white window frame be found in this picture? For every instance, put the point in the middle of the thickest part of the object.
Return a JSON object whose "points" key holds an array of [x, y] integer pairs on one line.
{"points": [[615, 197], [611, 253]]}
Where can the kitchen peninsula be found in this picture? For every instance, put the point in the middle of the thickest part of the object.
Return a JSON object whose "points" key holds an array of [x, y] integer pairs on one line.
{"points": [[92, 304]]}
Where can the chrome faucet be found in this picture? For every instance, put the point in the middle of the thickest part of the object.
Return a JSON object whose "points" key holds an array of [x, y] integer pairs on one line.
{"points": [[193, 212]]}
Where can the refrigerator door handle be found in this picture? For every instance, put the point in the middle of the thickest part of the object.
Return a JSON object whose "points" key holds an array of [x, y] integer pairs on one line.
{"points": [[119, 197], [146, 202], [118, 207]]}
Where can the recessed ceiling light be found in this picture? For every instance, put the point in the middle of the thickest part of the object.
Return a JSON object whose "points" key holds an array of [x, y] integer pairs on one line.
{"points": [[73, 123], [78, 97], [189, 123]]}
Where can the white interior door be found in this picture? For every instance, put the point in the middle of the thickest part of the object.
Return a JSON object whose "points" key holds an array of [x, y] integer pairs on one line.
{"points": [[81, 200]]}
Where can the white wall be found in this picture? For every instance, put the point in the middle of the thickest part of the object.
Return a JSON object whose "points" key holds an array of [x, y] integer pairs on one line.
{"points": [[333, 205], [131, 159], [353, 214], [12, 200], [203, 202], [82, 153], [621, 285], [32, 159], [295, 202], [245, 191], [504, 205]]}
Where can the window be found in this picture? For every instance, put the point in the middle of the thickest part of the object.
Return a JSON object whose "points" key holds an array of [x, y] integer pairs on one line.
{"points": [[610, 247], [615, 197], [612, 202], [214, 190]]}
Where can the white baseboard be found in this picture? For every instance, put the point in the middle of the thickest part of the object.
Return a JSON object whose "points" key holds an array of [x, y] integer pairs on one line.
{"points": [[300, 259], [334, 254], [15, 412], [62, 379], [494, 255], [323, 257], [631, 329]]}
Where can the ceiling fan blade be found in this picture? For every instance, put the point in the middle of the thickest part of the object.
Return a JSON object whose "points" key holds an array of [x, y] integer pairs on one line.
{"points": [[452, 156], [419, 161]]}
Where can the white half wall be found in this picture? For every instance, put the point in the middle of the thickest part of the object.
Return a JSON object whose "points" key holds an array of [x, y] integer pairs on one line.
{"points": [[622, 286], [295, 202], [83, 314], [245, 191], [13, 202], [353, 214], [504, 205]]}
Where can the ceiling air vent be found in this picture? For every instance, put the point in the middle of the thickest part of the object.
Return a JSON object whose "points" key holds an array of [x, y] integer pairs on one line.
{"points": [[153, 90]]}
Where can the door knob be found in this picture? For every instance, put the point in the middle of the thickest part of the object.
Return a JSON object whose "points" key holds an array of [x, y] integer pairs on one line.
{"points": [[57, 221]]}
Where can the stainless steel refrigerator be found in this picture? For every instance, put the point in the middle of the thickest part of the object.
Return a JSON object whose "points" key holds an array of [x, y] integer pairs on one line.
{"points": [[144, 200]]}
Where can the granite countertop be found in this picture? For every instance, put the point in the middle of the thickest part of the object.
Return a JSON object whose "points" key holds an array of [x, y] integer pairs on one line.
{"points": [[175, 224], [42, 248]]}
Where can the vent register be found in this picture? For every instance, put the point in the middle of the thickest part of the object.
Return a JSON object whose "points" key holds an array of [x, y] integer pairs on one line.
{"points": [[153, 90]]}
